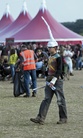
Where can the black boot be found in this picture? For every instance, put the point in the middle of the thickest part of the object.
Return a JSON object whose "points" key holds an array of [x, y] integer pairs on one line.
{"points": [[37, 120], [33, 94]]}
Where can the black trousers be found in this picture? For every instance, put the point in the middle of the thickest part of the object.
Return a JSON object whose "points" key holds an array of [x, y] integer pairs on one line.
{"points": [[47, 100]]}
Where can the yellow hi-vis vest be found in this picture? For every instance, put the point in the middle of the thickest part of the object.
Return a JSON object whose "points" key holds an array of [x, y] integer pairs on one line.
{"points": [[13, 58]]}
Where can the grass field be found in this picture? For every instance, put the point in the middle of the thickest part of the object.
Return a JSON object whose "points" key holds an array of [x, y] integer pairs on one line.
{"points": [[15, 113]]}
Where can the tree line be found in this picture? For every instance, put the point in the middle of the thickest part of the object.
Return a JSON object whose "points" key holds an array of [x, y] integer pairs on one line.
{"points": [[75, 26]]}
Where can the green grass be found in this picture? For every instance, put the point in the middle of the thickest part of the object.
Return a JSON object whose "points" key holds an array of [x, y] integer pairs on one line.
{"points": [[15, 113]]}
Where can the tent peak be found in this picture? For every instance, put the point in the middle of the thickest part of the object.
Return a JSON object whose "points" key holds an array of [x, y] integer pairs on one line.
{"points": [[43, 5], [7, 11], [48, 27], [24, 7]]}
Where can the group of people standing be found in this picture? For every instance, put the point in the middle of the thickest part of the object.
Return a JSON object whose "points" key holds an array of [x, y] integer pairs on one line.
{"points": [[27, 60]]}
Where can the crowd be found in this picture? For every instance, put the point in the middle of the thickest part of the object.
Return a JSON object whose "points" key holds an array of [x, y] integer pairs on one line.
{"points": [[72, 58], [10, 56], [52, 62]]}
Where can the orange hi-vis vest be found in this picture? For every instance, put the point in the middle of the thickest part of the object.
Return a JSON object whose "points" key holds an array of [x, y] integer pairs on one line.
{"points": [[29, 61]]}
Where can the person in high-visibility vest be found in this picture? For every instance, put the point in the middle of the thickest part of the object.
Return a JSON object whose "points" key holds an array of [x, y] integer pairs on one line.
{"points": [[29, 68]]}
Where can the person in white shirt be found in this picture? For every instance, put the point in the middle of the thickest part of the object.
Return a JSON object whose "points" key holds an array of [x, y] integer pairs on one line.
{"points": [[67, 54]]}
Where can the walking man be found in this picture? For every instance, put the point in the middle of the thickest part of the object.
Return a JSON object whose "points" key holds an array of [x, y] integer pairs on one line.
{"points": [[54, 78]]}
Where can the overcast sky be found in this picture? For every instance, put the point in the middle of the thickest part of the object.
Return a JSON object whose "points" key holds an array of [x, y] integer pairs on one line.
{"points": [[61, 10]]}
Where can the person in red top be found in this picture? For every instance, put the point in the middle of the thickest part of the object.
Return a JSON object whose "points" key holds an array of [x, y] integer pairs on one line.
{"points": [[29, 68]]}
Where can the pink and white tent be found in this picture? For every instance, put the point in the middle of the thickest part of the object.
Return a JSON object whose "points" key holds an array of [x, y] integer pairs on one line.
{"points": [[36, 30], [6, 19], [22, 20]]}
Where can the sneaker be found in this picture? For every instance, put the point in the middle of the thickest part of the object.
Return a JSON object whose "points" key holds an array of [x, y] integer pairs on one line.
{"points": [[26, 96], [62, 121], [37, 120]]}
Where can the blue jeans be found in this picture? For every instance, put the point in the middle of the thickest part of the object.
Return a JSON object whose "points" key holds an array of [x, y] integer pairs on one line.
{"points": [[12, 67], [78, 63], [27, 74]]}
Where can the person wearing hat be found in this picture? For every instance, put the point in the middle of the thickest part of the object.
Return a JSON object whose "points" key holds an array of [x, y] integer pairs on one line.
{"points": [[54, 78]]}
